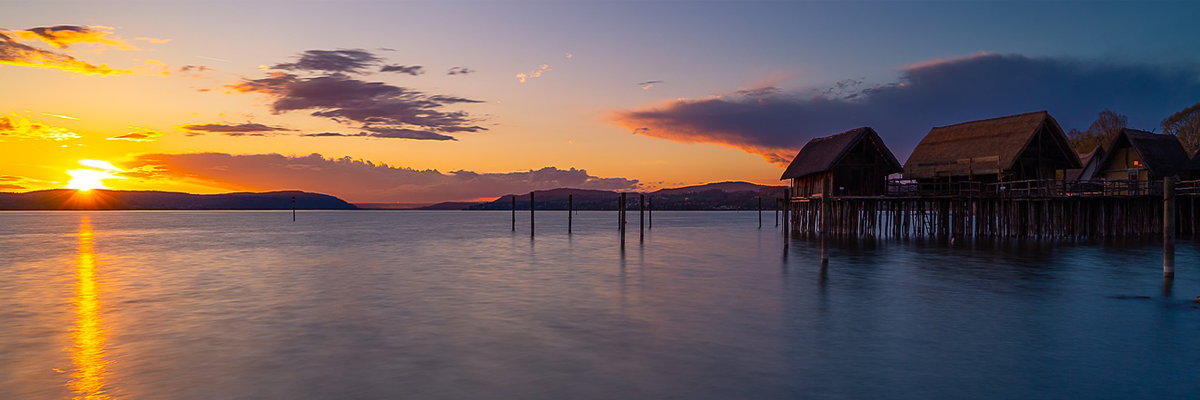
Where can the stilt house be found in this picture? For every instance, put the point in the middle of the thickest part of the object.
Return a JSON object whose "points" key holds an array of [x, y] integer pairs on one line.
{"points": [[1013, 148], [1140, 155], [856, 161]]}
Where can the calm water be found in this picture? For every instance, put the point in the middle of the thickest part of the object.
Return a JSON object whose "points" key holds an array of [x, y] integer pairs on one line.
{"points": [[452, 305]]}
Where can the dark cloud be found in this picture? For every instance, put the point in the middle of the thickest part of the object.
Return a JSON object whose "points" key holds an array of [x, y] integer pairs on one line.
{"points": [[246, 129], [384, 110], [413, 70], [774, 124], [648, 83], [350, 61], [459, 71], [196, 68], [358, 180], [387, 133]]}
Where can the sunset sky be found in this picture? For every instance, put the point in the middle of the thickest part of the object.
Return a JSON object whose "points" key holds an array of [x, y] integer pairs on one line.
{"points": [[418, 102]]}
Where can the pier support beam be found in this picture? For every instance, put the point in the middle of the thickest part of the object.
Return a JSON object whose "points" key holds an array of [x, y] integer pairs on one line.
{"points": [[1168, 227], [825, 206], [642, 216], [531, 213]]}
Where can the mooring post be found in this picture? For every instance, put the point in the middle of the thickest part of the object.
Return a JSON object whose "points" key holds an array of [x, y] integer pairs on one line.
{"points": [[1168, 227], [787, 208], [825, 205], [621, 217], [776, 212], [642, 216], [570, 211], [760, 211], [650, 211], [514, 213], [531, 213], [293, 208]]}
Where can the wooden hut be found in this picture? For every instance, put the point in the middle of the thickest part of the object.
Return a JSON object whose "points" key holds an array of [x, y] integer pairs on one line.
{"points": [[1140, 155], [1013, 148], [856, 161], [1091, 164]]}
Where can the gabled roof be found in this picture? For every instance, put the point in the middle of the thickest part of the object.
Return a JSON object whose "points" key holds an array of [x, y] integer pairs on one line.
{"points": [[984, 146], [821, 154], [1163, 155]]}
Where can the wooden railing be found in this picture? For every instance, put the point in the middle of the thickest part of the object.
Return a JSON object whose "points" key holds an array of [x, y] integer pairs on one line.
{"points": [[1037, 188]]}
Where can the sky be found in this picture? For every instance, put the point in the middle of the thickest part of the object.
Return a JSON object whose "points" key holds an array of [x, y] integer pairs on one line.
{"points": [[420, 102]]}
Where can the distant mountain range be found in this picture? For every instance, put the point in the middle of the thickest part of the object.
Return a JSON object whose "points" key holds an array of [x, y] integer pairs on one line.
{"points": [[712, 196], [67, 199]]}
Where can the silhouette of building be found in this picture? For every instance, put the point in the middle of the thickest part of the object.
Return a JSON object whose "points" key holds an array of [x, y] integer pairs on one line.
{"points": [[856, 161]]}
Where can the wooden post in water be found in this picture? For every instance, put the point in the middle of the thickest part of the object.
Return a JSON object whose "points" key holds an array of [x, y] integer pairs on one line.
{"points": [[776, 212], [760, 211], [642, 216], [293, 208], [650, 211], [570, 211], [787, 207], [514, 213], [1168, 227], [825, 206], [621, 219], [531, 213]]}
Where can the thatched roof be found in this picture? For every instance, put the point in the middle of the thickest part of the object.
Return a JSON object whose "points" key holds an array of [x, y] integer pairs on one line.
{"points": [[982, 147], [1163, 155], [821, 154]]}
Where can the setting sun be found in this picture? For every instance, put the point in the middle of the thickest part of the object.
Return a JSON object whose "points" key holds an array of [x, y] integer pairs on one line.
{"points": [[88, 179]]}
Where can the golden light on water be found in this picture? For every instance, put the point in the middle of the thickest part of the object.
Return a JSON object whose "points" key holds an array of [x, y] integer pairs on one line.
{"points": [[87, 381]]}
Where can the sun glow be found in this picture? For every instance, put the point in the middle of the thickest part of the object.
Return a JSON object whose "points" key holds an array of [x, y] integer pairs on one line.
{"points": [[92, 178]]}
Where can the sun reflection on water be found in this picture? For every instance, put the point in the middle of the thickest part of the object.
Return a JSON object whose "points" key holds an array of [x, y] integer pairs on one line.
{"points": [[88, 334]]}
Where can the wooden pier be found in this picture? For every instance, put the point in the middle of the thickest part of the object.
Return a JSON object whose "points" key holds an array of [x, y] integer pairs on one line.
{"points": [[1026, 209]]}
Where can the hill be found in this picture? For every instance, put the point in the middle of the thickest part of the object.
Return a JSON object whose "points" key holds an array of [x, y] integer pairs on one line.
{"points": [[713, 196], [67, 199]]}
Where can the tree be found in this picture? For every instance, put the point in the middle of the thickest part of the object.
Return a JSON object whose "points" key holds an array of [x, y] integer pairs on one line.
{"points": [[1101, 132], [1185, 124]]}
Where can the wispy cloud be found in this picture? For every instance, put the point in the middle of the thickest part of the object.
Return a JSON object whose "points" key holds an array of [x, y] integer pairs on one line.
{"points": [[537, 73], [244, 129], [63, 36], [139, 134], [14, 125], [20, 54], [459, 71], [350, 61], [648, 84], [413, 70]]}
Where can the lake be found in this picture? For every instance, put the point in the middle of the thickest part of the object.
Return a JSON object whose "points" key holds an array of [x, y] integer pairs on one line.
{"points": [[455, 305]]}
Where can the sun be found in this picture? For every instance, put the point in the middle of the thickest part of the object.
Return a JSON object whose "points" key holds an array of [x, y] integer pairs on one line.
{"points": [[92, 178], [87, 179]]}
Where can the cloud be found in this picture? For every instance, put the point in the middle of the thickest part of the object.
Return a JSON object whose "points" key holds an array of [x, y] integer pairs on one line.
{"points": [[196, 68], [152, 40], [774, 124], [63, 36], [537, 73], [140, 134], [246, 129], [13, 182], [20, 127], [356, 180], [413, 70], [648, 84], [387, 133], [19, 54], [350, 61], [459, 71], [382, 109]]}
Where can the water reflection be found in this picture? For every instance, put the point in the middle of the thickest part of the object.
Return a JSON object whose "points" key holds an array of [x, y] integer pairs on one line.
{"points": [[88, 334]]}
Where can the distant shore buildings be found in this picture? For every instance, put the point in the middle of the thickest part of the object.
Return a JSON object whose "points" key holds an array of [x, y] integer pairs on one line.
{"points": [[1015, 175]]}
